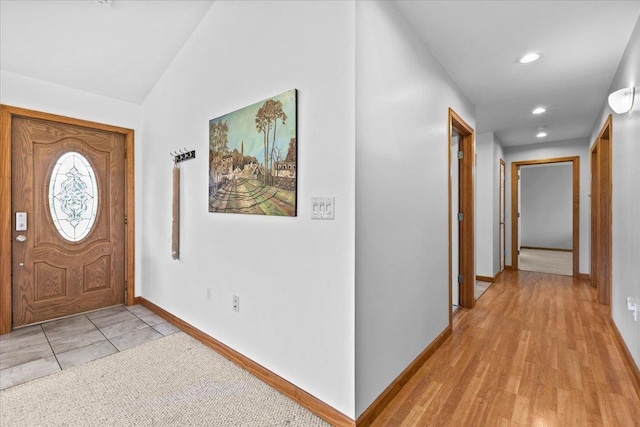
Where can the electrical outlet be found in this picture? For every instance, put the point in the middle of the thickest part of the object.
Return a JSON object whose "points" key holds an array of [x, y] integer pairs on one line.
{"points": [[236, 303], [209, 296]]}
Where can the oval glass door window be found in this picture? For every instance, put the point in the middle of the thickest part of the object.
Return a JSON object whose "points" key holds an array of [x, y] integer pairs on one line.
{"points": [[73, 196]]}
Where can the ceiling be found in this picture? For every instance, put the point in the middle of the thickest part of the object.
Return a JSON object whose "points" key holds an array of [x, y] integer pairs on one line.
{"points": [[478, 42], [120, 51]]}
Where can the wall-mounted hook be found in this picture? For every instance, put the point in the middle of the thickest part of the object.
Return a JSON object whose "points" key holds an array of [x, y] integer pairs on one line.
{"points": [[183, 154]]}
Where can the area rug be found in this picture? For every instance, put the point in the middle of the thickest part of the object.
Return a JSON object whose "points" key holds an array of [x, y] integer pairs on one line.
{"points": [[173, 381], [542, 261]]}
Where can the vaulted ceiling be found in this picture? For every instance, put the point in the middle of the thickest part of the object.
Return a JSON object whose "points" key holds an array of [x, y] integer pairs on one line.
{"points": [[121, 50]]}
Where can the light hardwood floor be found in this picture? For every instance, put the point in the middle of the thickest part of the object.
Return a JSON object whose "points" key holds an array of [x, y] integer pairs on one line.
{"points": [[537, 350]]}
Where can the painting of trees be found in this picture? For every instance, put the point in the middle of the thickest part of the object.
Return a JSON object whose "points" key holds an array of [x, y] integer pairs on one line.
{"points": [[267, 117], [252, 160], [218, 148]]}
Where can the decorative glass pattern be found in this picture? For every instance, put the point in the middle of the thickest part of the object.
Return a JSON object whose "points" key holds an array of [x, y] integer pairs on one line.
{"points": [[73, 196]]}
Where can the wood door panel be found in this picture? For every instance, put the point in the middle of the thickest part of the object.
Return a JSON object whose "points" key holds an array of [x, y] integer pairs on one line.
{"points": [[56, 257], [54, 276], [96, 275], [51, 309], [44, 131], [49, 281]]}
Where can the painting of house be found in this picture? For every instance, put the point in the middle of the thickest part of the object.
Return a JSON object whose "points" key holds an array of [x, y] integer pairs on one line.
{"points": [[252, 159]]}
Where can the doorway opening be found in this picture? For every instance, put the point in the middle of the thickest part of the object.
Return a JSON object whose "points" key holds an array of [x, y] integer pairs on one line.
{"points": [[533, 248], [35, 268], [461, 213], [545, 228], [601, 214]]}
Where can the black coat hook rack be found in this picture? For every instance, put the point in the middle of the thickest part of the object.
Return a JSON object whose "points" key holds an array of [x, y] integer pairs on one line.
{"points": [[182, 155]]}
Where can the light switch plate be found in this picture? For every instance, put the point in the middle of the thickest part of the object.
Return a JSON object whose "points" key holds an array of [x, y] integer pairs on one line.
{"points": [[323, 207], [21, 221]]}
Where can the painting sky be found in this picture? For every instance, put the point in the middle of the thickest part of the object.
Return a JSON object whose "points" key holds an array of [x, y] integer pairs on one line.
{"points": [[242, 127]]}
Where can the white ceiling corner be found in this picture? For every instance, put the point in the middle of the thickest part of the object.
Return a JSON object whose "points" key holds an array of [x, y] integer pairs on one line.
{"points": [[119, 51]]}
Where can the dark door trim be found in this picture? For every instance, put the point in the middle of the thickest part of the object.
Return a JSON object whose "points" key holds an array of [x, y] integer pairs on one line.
{"points": [[467, 208], [576, 207], [7, 222]]}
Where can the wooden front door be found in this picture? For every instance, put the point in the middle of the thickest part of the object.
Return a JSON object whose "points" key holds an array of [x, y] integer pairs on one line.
{"points": [[68, 256]]}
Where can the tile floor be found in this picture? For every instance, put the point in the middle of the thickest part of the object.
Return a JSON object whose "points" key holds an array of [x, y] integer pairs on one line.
{"points": [[481, 288], [39, 350]]}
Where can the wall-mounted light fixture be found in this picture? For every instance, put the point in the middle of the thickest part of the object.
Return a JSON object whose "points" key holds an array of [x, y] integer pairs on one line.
{"points": [[621, 101]]}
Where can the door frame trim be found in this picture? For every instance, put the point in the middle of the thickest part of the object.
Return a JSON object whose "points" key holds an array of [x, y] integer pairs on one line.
{"points": [[575, 160], [502, 208], [601, 218], [6, 221], [466, 201]]}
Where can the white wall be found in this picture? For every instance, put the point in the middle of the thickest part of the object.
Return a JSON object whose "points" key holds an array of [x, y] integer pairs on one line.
{"points": [[489, 152], [294, 276], [26, 92], [546, 211], [402, 279], [548, 150], [626, 197], [484, 199]]}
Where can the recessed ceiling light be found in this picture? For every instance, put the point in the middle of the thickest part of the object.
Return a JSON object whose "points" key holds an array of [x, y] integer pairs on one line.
{"points": [[529, 57], [541, 134], [539, 110]]}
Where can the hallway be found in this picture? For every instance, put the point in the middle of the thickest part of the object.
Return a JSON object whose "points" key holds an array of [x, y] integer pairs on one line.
{"points": [[537, 350]]}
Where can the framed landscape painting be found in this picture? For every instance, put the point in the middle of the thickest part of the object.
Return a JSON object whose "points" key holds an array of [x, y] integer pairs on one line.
{"points": [[253, 158]]}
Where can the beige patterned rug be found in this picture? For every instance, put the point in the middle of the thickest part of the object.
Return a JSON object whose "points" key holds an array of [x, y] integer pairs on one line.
{"points": [[173, 381], [553, 262]]}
